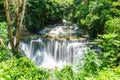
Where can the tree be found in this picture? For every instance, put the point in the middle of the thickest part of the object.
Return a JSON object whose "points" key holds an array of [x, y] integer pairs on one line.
{"points": [[19, 9], [2, 11]]}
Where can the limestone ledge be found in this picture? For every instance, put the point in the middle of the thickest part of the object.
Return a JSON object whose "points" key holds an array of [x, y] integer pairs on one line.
{"points": [[61, 37], [58, 37]]}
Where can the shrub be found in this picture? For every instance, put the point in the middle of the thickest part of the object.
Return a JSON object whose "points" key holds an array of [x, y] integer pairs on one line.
{"points": [[21, 69], [91, 67], [5, 53], [107, 74], [112, 26], [3, 31], [66, 73], [110, 48]]}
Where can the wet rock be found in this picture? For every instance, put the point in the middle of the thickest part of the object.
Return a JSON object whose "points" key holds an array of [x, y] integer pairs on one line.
{"points": [[68, 32], [57, 31]]}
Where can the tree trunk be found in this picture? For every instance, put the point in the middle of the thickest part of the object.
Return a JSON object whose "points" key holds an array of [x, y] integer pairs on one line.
{"points": [[17, 36], [9, 24], [20, 15], [21, 11]]}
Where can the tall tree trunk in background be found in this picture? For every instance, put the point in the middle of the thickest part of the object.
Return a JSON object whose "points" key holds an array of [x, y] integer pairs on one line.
{"points": [[15, 41]]}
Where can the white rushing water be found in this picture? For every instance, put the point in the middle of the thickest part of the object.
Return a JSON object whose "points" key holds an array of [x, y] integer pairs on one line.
{"points": [[51, 53]]}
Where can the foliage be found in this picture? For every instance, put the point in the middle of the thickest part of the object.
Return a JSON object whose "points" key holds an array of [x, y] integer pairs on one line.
{"points": [[21, 69], [89, 14], [91, 67], [110, 48], [92, 63], [5, 53], [43, 12], [3, 31], [2, 11], [66, 73], [110, 42], [107, 74], [113, 26], [94, 15]]}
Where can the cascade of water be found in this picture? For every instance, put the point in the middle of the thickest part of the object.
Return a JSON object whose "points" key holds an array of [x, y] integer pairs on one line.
{"points": [[51, 53]]}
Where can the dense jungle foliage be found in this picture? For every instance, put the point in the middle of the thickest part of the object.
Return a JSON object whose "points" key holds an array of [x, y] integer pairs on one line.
{"points": [[2, 11], [101, 18]]}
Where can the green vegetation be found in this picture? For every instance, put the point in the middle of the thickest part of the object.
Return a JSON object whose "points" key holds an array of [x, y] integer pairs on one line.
{"points": [[89, 14], [101, 18], [21, 69], [3, 32], [2, 11], [45, 12], [5, 54]]}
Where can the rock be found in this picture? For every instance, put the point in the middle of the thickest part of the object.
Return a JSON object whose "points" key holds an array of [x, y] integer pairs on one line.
{"points": [[68, 32], [57, 31], [76, 45], [42, 31]]}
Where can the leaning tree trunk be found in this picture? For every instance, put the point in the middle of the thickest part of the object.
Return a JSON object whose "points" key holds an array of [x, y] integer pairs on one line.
{"points": [[15, 41]]}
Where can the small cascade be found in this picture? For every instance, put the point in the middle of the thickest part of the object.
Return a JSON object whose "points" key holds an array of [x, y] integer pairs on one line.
{"points": [[52, 53]]}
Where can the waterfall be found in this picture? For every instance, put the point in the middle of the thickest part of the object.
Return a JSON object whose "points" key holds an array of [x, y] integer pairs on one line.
{"points": [[52, 53]]}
